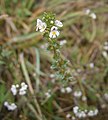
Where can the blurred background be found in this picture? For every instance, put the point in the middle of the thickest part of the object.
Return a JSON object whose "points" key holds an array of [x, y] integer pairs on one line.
{"points": [[85, 30]]}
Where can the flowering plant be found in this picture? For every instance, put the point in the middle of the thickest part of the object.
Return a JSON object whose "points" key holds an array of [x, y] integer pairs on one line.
{"points": [[50, 27], [51, 30]]}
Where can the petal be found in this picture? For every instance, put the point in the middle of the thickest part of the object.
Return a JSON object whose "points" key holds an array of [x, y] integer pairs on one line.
{"points": [[41, 30], [58, 23], [54, 36], [57, 33], [50, 35], [54, 28], [39, 21]]}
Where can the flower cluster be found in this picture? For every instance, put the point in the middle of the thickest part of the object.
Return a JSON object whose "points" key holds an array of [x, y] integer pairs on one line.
{"points": [[66, 90], [11, 106], [22, 90], [53, 32], [15, 89], [84, 113], [91, 14]]}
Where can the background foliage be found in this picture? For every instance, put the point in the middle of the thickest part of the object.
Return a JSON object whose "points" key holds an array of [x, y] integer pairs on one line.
{"points": [[22, 55]]}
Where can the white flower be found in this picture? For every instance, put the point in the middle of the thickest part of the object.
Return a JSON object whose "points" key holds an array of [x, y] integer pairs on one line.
{"points": [[91, 65], [90, 113], [52, 75], [22, 92], [54, 32], [58, 23], [87, 12], [17, 86], [11, 106], [6, 103], [93, 15], [68, 89], [68, 115], [13, 89], [23, 89], [77, 94], [75, 109], [40, 25], [84, 98], [47, 94], [96, 111], [24, 86], [63, 42], [62, 90], [104, 53]]}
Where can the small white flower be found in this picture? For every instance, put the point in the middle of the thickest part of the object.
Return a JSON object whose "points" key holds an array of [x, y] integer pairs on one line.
{"points": [[62, 90], [68, 115], [84, 98], [91, 65], [96, 111], [13, 89], [54, 32], [58, 23], [47, 94], [93, 15], [17, 86], [41, 26], [63, 42], [75, 109], [105, 55], [22, 92], [87, 12], [24, 86], [6, 103], [52, 76], [68, 89], [11, 106], [90, 113], [23, 89], [77, 94]]}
